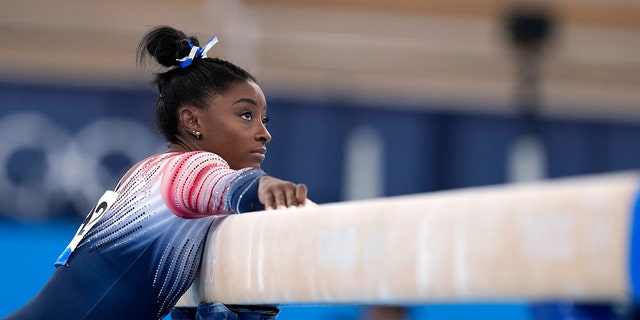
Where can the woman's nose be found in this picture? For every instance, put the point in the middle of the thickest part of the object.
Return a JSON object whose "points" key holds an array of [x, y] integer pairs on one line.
{"points": [[263, 134]]}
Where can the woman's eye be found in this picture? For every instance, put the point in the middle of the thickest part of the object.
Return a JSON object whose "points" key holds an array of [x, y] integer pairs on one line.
{"points": [[246, 116], [265, 120]]}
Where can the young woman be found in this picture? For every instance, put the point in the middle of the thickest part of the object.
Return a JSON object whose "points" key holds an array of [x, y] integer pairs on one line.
{"points": [[140, 248]]}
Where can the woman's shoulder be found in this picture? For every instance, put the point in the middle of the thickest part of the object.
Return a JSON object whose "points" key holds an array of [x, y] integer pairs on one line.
{"points": [[181, 155], [145, 163], [193, 156], [178, 159], [189, 160]]}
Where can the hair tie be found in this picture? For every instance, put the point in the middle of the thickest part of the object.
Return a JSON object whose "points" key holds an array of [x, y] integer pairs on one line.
{"points": [[197, 52]]}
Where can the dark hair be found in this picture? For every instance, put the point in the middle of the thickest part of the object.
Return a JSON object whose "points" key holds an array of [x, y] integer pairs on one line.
{"points": [[193, 85]]}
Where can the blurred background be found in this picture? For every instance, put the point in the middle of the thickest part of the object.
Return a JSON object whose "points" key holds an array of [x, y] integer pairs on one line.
{"points": [[368, 98]]}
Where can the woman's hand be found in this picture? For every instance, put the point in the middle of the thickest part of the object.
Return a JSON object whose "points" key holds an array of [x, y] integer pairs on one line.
{"points": [[280, 194]]}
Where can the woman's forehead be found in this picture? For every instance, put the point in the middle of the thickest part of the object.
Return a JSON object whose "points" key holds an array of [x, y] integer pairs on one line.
{"points": [[243, 92]]}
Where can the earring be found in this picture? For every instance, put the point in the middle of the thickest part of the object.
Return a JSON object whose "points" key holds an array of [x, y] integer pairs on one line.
{"points": [[196, 134]]}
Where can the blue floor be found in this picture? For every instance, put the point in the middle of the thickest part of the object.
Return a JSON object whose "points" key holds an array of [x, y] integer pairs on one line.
{"points": [[29, 250]]}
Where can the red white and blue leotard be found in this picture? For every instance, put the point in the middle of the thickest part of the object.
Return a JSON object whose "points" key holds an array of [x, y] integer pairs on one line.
{"points": [[145, 251]]}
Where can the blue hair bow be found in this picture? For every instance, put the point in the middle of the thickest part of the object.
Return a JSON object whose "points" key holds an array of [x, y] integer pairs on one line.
{"points": [[197, 52]]}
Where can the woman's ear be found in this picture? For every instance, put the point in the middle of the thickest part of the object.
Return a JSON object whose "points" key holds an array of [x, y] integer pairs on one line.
{"points": [[190, 120]]}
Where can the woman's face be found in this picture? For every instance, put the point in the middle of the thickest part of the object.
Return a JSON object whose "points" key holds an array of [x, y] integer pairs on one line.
{"points": [[233, 126]]}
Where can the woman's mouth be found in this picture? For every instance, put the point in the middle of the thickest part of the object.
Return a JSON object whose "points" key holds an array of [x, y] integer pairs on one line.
{"points": [[259, 153]]}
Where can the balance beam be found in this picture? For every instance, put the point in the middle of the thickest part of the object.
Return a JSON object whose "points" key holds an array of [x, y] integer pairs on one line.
{"points": [[572, 239]]}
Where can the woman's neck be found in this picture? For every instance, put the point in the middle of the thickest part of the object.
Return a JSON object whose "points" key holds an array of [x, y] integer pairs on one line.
{"points": [[178, 146]]}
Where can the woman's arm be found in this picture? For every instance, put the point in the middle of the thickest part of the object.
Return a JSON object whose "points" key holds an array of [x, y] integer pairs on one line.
{"points": [[199, 184]]}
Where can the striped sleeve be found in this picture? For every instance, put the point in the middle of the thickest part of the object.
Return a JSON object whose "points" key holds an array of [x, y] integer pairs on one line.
{"points": [[199, 184]]}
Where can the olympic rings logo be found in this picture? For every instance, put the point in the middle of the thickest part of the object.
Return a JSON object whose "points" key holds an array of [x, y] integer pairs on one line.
{"points": [[74, 172]]}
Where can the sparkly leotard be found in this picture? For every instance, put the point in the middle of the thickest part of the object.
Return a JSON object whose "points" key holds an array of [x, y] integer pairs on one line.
{"points": [[144, 253]]}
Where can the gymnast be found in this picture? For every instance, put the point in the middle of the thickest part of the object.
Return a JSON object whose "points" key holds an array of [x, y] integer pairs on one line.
{"points": [[140, 248]]}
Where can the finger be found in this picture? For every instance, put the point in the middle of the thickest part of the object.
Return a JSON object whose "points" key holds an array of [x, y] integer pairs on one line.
{"points": [[301, 194], [290, 193], [269, 201], [280, 199]]}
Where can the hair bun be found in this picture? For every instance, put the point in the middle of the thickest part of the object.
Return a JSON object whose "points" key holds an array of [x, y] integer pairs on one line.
{"points": [[166, 45]]}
